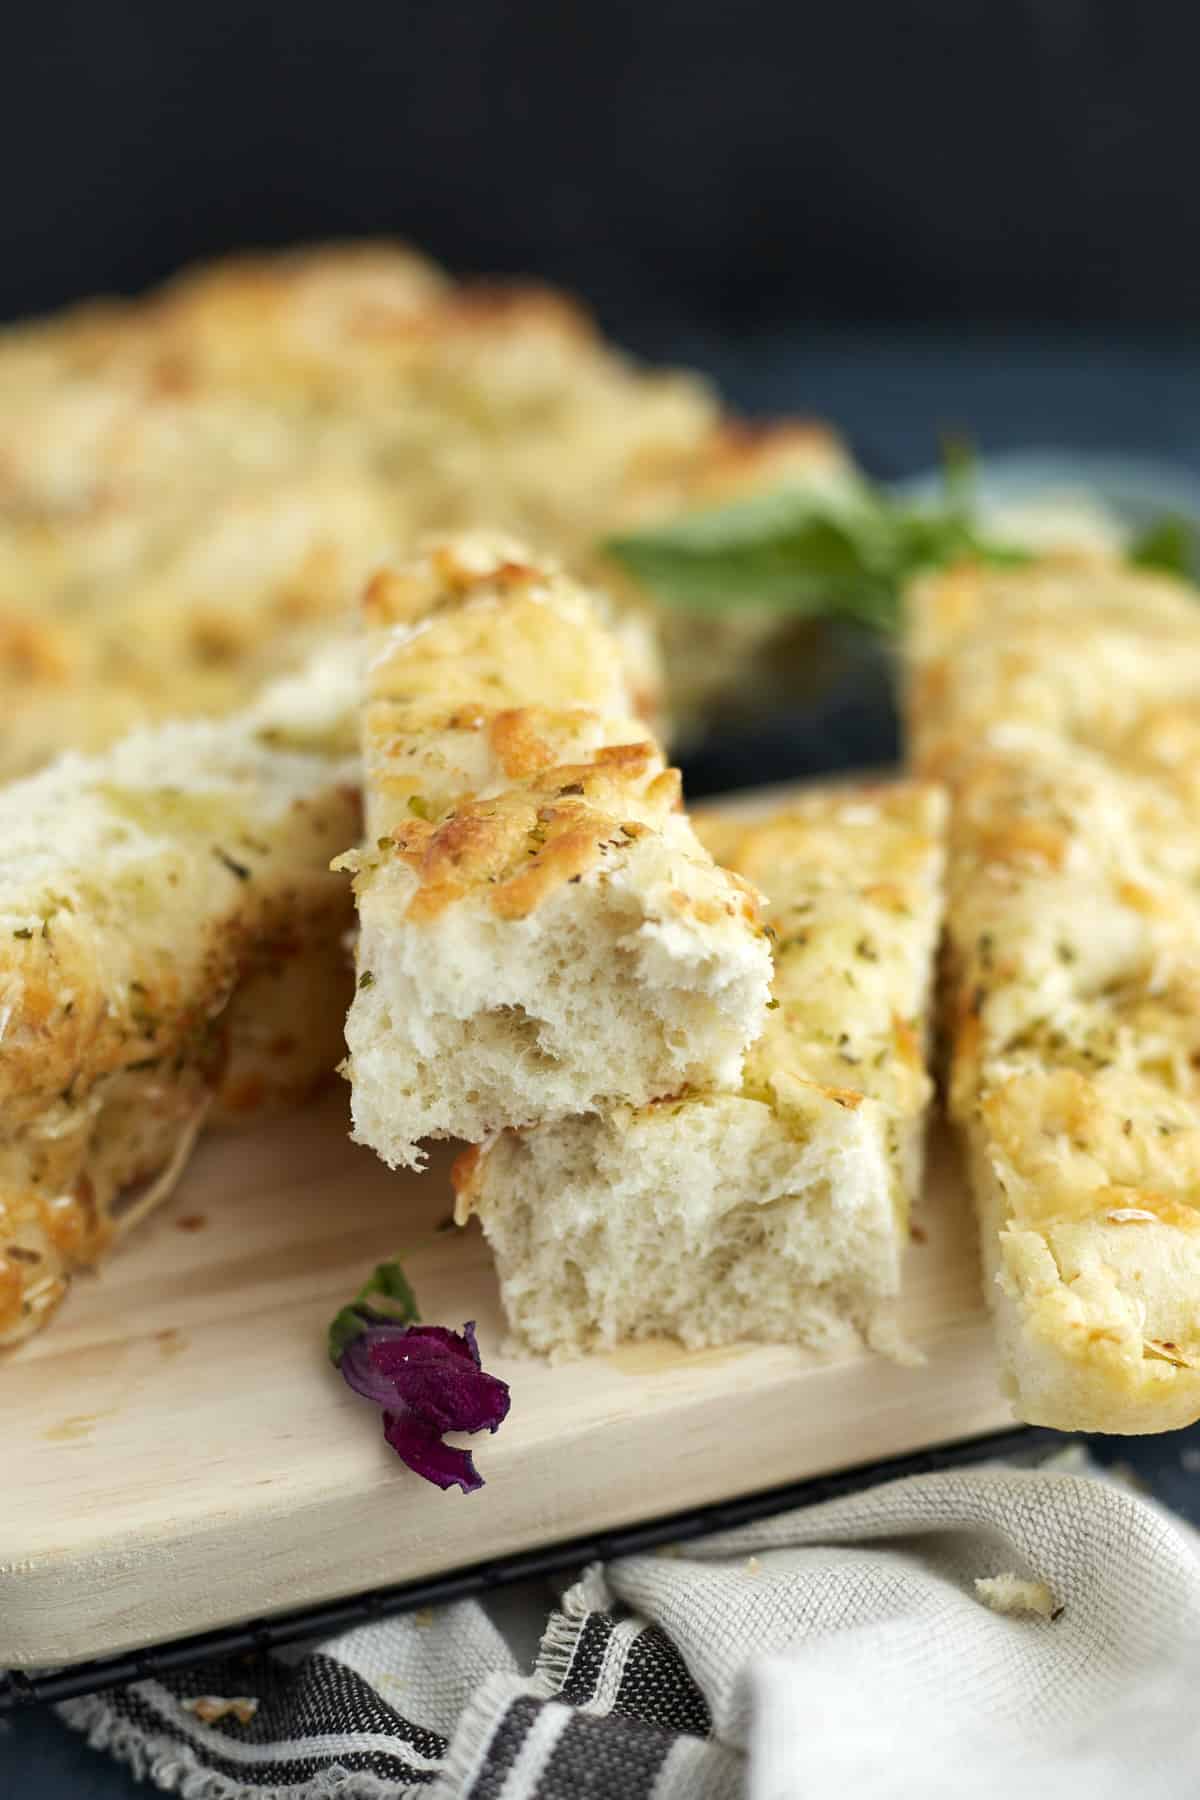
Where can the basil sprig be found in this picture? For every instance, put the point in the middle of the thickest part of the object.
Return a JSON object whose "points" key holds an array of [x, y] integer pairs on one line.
{"points": [[842, 554], [1169, 545]]}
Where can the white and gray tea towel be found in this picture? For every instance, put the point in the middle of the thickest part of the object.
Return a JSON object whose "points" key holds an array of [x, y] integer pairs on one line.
{"points": [[837, 1652]]}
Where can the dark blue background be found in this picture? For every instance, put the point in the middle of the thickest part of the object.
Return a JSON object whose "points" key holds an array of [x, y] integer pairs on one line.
{"points": [[747, 164]]}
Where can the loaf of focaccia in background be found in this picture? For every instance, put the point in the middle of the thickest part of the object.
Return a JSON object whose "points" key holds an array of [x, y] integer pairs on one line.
{"points": [[171, 936], [776, 1209], [540, 931], [1061, 703], [193, 486]]}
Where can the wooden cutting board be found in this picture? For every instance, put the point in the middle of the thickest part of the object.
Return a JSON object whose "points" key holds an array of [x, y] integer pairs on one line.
{"points": [[180, 1455]]}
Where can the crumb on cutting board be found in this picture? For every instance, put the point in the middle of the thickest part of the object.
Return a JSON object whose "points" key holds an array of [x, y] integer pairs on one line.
{"points": [[209, 1708], [1014, 1595]]}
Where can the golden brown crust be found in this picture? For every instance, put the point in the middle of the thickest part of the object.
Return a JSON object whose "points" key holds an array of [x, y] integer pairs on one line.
{"points": [[752, 456], [486, 669], [477, 621], [523, 845], [505, 778]]}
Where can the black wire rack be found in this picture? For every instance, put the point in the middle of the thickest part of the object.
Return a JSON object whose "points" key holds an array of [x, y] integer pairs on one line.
{"points": [[20, 1688]]}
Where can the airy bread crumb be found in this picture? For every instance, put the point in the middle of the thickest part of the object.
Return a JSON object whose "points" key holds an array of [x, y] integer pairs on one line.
{"points": [[1015, 1596]]}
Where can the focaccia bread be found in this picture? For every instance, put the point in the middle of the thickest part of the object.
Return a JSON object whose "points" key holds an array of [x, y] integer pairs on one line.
{"points": [[540, 931], [1087, 650], [776, 1209], [193, 484], [170, 935], [1062, 706]]}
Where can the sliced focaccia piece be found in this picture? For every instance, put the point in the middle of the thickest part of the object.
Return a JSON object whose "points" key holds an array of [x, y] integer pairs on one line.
{"points": [[1061, 706], [1089, 651], [776, 1209], [141, 891], [541, 932]]}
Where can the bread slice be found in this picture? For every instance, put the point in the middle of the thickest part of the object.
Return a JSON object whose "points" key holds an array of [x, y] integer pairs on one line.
{"points": [[774, 1209], [142, 891], [1060, 703], [541, 932]]}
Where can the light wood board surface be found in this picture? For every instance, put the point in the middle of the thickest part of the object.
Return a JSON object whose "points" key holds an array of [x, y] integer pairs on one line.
{"points": [[180, 1455]]}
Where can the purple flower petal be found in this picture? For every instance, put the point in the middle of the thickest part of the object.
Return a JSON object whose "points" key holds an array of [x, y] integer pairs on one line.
{"points": [[426, 1455], [358, 1366], [428, 1380], [435, 1374]]}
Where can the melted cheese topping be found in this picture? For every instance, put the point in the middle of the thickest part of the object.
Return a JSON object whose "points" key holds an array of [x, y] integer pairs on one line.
{"points": [[500, 754]]}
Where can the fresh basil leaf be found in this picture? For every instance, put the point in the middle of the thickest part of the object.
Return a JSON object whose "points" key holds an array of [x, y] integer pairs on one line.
{"points": [[960, 466], [809, 564], [389, 1283], [344, 1328], [1169, 544], [846, 556], [385, 1297]]}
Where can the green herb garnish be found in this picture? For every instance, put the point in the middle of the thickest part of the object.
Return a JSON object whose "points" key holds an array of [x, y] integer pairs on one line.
{"points": [[843, 555], [1169, 544], [846, 555], [385, 1298]]}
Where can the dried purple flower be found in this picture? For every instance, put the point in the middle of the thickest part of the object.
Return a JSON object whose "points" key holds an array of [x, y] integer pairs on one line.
{"points": [[427, 1379]]}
